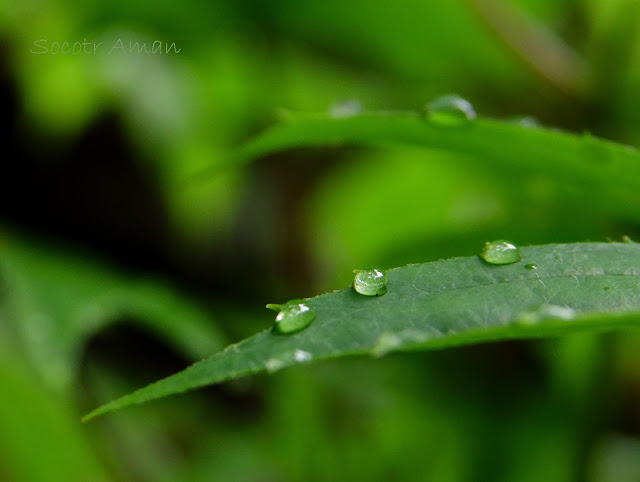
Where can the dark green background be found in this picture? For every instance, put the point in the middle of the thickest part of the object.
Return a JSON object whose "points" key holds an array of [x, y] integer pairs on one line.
{"points": [[120, 264]]}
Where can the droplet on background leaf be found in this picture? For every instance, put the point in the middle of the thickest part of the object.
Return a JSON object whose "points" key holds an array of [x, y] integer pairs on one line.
{"points": [[344, 109], [525, 121], [450, 111]]}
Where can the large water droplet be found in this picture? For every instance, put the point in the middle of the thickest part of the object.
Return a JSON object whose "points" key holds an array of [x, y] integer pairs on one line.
{"points": [[500, 252], [293, 316], [370, 282], [450, 110]]}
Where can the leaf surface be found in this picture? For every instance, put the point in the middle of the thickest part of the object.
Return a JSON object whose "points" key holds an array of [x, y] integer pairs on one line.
{"points": [[576, 287], [57, 300]]}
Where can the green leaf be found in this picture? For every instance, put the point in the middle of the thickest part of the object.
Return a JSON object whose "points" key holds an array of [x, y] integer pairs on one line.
{"points": [[576, 287], [501, 147], [40, 438], [56, 300]]}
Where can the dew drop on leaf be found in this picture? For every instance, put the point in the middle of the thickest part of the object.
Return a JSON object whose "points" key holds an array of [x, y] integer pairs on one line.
{"points": [[545, 312], [302, 356], [501, 252], [274, 364], [450, 111], [525, 121], [293, 316], [344, 109], [370, 282], [531, 266]]}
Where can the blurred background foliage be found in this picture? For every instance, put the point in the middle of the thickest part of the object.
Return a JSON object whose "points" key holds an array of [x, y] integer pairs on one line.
{"points": [[120, 264]]}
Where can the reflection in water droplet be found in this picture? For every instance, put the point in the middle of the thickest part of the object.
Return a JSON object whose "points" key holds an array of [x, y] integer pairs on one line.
{"points": [[370, 282], [450, 110], [500, 252], [293, 316], [531, 266], [344, 109]]}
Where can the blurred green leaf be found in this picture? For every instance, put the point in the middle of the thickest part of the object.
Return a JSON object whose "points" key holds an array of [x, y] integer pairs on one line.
{"points": [[576, 287], [433, 205], [610, 170], [40, 438], [57, 300]]}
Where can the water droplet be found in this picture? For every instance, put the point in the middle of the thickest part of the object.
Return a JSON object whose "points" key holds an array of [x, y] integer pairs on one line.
{"points": [[344, 109], [525, 121], [450, 110], [287, 359], [274, 364], [302, 356], [545, 312], [531, 266], [500, 252], [386, 342], [293, 316], [370, 282]]}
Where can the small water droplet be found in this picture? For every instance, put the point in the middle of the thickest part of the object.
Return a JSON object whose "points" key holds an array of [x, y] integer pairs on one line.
{"points": [[302, 356], [370, 282], [274, 364], [286, 359], [525, 121], [344, 109], [531, 266], [500, 252], [545, 312], [450, 110], [386, 342], [293, 316]]}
